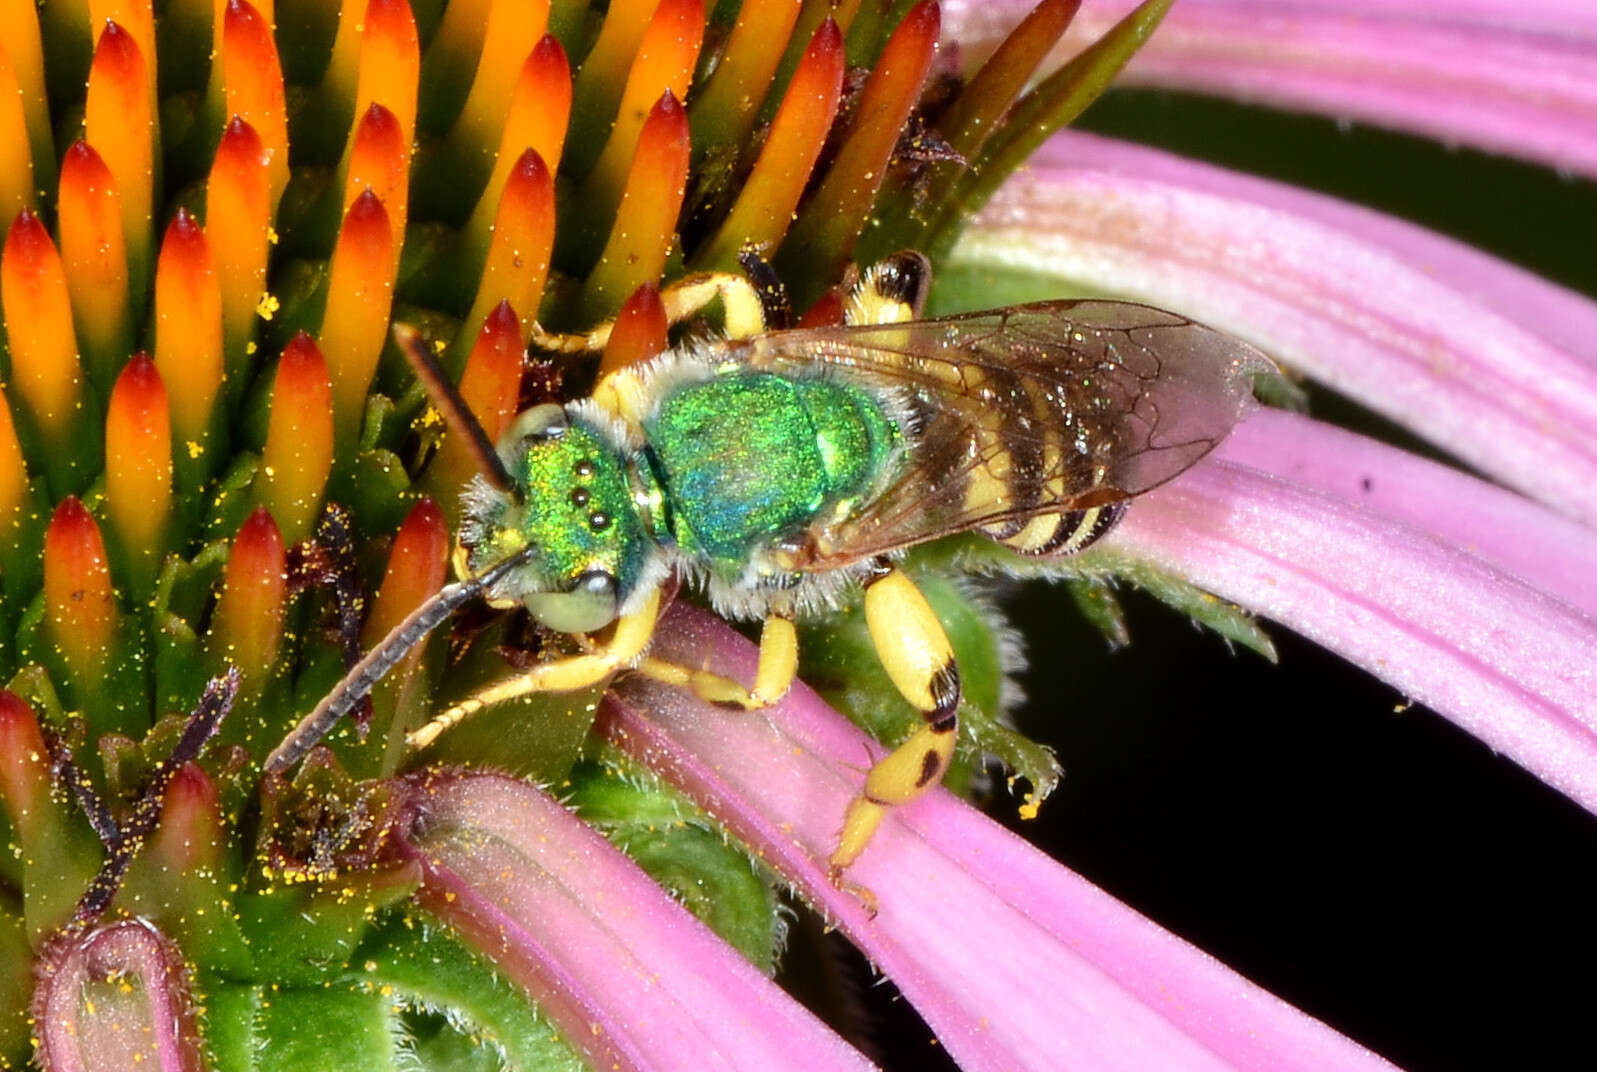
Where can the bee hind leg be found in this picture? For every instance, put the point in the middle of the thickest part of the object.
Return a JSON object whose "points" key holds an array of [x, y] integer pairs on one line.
{"points": [[777, 667], [916, 654]]}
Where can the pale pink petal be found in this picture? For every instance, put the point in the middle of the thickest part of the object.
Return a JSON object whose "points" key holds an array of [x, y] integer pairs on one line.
{"points": [[633, 978], [1508, 77], [116, 997], [1545, 549], [1491, 363], [1014, 961], [1507, 660]]}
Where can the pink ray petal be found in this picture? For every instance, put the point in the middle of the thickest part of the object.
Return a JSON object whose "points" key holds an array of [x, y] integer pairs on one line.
{"points": [[633, 978], [1514, 78], [116, 997], [1016, 962], [1545, 549], [1488, 361], [1508, 661]]}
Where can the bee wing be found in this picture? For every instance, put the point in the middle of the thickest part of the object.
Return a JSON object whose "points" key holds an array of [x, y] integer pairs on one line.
{"points": [[1019, 413]]}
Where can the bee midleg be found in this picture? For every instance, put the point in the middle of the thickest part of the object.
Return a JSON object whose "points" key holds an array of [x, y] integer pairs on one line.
{"points": [[626, 646], [917, 656], [778, 666]]}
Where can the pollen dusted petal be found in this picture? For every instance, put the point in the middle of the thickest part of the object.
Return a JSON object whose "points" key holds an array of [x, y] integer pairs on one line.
{"points": [[188, 343], [253, 80], [191, 835], [94, 256], [14, 482], [831, 221], [16, 155], [46, 380], [61, 852], [79, 608], [379, 160], [491, 388], [449, 62], [248, 624], [389, 61], [664, 62], [138, 469], [602, 78], [418, 565], [764, 209], [238, 214], [137, 17], [513, 31], [134, 982], [518, 254], [492, 379], [265, 8], [299, 440], [359, 293], [119, 123], [639, 332], [724, 112], [24, 767], [20, 41], [975, 113], [645, 223], [624, 970], [537, 116]]}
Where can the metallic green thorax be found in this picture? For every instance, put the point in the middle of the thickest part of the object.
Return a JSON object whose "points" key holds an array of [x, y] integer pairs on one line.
{"points": [[747, 458]]}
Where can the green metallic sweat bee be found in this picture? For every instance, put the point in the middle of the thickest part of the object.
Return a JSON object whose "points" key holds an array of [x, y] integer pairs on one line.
{"points": [[782, 470]]}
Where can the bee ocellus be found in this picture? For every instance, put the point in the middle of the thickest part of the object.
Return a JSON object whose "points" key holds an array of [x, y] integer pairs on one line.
{"points": [[784, 471]]}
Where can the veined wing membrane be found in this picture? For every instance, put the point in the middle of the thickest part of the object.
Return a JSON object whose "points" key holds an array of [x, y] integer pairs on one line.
{"points": [[1022, 412]]}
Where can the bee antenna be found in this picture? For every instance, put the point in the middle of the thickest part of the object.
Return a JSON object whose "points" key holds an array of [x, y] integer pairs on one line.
{"points": [[457, 415], [365, 674]]}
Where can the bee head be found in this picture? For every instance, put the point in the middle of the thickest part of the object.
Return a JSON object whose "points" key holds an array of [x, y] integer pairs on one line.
{"points": [[572, 502]]}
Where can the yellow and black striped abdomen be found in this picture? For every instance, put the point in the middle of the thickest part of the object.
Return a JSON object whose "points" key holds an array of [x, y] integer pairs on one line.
{"points": [[1029, 425], [1036, 461]]}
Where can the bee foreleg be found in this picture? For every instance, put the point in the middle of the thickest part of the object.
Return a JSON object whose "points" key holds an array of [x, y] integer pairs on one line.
{"points": [[774, 676], [627, 644], [916, 654]]}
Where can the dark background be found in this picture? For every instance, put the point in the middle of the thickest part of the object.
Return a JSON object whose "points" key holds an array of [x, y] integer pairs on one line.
{"points": [[1376, 867]]}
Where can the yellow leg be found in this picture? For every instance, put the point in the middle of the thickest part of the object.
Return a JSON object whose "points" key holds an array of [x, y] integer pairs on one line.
{"points": [[918, 658], [619, 392], [626, 646], [744, 316], [891, 291], [777, 667]]}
